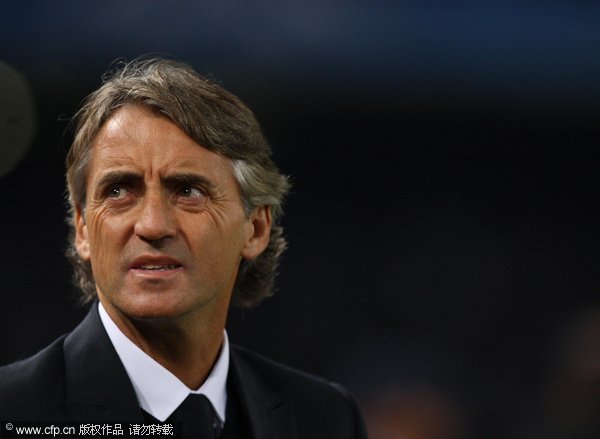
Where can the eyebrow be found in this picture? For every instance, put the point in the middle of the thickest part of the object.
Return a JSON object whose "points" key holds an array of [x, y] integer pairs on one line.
{"points": [[184, 178], [113, 177], [188, 178]]}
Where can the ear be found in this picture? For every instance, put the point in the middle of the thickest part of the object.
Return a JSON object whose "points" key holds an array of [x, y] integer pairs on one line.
{"points": [[81, 237], [259, 232]]}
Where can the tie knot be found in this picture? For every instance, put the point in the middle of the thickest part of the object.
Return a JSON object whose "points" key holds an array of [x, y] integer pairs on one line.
{"points": [[195, 418]]}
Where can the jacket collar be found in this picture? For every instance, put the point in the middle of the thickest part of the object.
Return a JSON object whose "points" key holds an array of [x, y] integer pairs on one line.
{"points": [[98, 387], [269, 412]]}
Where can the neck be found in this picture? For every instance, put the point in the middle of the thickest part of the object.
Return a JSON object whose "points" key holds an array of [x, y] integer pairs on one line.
{"points": [[187, 347]]}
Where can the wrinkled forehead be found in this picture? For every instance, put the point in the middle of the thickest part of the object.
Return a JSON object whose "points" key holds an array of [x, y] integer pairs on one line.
{"points": [[145, 143]]}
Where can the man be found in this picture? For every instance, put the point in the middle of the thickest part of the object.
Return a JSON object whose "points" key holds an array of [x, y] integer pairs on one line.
{"points": [[174, 206]]}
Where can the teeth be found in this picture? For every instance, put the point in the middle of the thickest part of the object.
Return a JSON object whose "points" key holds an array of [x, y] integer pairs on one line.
{"points": [[157, 267]]}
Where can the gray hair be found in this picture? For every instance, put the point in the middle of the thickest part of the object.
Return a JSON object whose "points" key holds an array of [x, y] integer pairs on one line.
{"points": [[213, 118]]}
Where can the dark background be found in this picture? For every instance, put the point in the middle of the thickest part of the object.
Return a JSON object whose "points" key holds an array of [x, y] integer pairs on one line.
{"points": [[443, 259]]}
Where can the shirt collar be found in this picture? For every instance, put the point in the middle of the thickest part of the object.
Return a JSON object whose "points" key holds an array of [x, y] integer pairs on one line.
{"points": [[158, 391]]}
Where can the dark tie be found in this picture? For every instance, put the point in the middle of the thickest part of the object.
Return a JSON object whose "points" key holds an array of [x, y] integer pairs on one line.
{"points": [[195, 418]]}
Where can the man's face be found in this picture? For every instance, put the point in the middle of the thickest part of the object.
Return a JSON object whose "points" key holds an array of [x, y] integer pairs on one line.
{"points": [[163, 226]]}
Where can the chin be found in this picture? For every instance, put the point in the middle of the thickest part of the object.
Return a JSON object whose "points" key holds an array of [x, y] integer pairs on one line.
{"points": [[161, 306], [148, 305]]}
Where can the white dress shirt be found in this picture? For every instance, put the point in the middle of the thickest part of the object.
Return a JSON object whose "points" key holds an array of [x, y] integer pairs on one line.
{"points": [[158, 391]]}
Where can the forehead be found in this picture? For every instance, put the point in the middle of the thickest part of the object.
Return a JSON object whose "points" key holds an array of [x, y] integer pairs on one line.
{"points": [[135, 136]]}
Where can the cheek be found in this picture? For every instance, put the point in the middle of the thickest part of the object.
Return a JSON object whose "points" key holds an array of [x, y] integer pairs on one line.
{"points": [[216, 243], [104, 232], [229, 231]]}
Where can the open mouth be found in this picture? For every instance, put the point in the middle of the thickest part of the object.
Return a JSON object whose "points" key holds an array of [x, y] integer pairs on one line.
{"points": [[155, 264], [152, 267]]}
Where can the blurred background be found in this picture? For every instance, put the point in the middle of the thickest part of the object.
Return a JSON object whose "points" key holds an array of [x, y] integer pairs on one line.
{"points": [[443, 259]]}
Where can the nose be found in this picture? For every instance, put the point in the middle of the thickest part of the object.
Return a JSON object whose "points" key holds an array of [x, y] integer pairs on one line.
{"points": [[155, 221]]}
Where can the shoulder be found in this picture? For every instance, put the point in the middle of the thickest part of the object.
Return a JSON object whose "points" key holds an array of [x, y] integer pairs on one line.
{"points": [[32, 386], [316, 401], [287, 379]]}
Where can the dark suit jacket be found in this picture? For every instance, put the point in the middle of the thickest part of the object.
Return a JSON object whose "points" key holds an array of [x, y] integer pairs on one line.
{"points": [[80, 378]]}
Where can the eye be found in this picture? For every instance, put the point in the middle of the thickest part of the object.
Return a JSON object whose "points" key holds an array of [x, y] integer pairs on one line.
{"points": [[190, 192], [116, 192], [191, 196]]}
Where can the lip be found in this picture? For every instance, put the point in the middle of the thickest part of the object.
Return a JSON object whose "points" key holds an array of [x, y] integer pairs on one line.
{"points": [[160, 269], [156, 262]]}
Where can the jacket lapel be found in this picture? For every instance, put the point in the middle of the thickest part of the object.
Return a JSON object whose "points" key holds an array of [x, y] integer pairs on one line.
{"points": [[270, 415], [98, 387]]}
